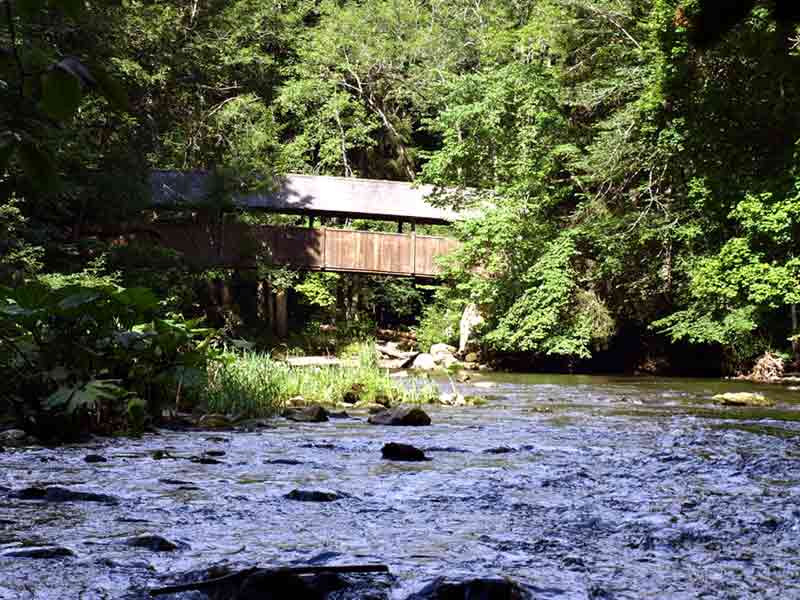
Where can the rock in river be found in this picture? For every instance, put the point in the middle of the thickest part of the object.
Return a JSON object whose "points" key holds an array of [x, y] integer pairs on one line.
{"points": [[402, 452], [38, 552], [425, 362], [743, 399], [472, 589], [409, 416], [154, 543], [310, 414], [313, 496], [213, 421], [59, 494], [94, 458]]}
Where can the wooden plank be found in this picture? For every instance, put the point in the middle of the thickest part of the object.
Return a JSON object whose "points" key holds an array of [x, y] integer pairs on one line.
{"points": [[245, 246]]}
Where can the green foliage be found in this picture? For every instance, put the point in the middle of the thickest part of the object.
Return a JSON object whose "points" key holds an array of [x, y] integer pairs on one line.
{"points": [[439, 325], [79, 350], [253, 384]]}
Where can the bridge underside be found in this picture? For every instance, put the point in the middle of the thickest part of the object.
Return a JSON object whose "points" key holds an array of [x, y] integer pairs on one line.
{"points": [[317, 249]]}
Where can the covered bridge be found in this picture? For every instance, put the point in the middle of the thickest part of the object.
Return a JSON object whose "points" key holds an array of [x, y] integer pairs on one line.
{"points": [[321, 248]]}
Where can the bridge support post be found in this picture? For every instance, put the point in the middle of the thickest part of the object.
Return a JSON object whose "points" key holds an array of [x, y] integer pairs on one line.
{"points": [[281, 314]]}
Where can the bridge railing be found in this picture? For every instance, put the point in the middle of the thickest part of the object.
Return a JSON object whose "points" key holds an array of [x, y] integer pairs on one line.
{"points": [[324, 249]]}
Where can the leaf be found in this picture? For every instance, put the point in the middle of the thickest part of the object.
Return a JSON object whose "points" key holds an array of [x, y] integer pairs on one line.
{"points": [[140, 298], [78, 299], [111, 88], [8, 143], [72, 8], [38, 164], [29, 8], [73, 65], [72, 399], [61, 93]]}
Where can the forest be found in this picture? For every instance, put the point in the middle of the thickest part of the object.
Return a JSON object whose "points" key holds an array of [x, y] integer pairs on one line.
{"points": [[634, 180]]}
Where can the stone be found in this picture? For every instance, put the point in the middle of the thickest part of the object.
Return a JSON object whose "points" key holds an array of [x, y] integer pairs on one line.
{"points": [[154, 543], [402, 452], [463, 377], [471, 319], [15, 437], [94, 458], [448, 361], [309, 414], [214, 452], [452, 399], [425, 362], [297, 401], [313, 496], [442, 349], [42, 552], [353, 395], [743, 399], [59, 494], [205, 460], [215, 422], [471, 357], [403, 415], [472, 589]]}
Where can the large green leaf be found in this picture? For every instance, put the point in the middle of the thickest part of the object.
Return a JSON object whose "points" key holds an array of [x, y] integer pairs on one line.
{"points": [[61, 93], [140, 298], [86, 397]]}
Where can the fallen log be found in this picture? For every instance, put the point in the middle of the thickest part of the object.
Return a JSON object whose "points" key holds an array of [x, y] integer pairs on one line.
{"points": [[393, 353], [239, 576]]}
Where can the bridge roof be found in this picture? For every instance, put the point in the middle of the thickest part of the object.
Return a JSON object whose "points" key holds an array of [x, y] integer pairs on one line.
{"points": [[313, 195]]}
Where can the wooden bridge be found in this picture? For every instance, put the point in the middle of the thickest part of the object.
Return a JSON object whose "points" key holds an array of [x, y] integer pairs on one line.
{"points": [[316, 249], [322, 248]]}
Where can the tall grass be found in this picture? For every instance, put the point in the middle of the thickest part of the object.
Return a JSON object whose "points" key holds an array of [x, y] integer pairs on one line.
{"points": [[254, 384]]}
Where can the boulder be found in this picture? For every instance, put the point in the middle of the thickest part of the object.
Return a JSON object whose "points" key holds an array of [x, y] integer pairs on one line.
{"points": [[313, 496], [442, 349], [402, 452], [425, 362], [448, 361], [452, 399], [353, 395], [59, 494], [309, 414], [471, 357], [38, 552], [472, 589], [94, 458], [471, 319], [403, 415], [743, 399], [15, 437], [215, 422], [154, 543]]}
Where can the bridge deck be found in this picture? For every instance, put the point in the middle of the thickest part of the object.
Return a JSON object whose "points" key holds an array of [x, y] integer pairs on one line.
{"points": [[321, 249]]}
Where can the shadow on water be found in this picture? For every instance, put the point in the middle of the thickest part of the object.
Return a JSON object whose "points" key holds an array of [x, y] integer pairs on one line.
{"points": [[582, 487]]}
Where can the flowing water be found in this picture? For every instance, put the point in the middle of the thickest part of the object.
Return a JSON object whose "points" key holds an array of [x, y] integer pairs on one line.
{"points": [[579, 487]]}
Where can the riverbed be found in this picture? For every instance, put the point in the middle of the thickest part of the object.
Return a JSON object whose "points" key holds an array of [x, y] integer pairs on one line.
{"points": [[578, 487]]}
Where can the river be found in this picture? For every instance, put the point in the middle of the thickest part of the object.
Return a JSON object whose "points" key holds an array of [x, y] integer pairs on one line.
{"points": [[579, 487]]}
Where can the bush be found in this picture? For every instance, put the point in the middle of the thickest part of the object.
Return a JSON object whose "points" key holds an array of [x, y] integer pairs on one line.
{"points": [[78, 352], [256, 385], [439, 325]]}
